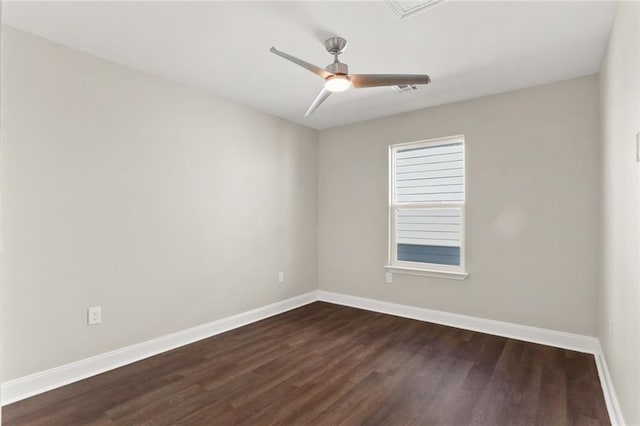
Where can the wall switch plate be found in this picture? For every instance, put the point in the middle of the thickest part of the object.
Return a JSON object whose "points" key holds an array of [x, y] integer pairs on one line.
{"points": [[610, 328], [94, 315], [280, 277], [388, 276]]}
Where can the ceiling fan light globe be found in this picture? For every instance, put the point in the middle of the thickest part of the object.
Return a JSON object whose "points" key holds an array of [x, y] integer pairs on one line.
{"points": [[337, 83]]}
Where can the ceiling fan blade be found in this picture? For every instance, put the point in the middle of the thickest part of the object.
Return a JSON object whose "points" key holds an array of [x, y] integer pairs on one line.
{"points": [[304, 64], [322, 96], [375, 80]]}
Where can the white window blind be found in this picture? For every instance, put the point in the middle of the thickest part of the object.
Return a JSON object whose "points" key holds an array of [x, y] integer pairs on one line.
{"points": [[430, 174], [427, 204]]}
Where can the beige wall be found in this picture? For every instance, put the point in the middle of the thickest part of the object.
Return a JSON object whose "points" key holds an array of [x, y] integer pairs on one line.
{"points": [[168, 207], [532, 207], [619, 301]]}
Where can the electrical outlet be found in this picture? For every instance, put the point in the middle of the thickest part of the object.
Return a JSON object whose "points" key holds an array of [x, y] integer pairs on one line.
{"points": [[388, 277], [280, 277], [94, 315]]}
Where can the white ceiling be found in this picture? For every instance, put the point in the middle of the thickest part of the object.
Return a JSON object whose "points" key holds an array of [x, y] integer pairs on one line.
{"points": [[469, 49]]}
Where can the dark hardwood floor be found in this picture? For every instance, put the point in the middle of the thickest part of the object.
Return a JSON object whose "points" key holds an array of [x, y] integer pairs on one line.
{"points": [[328, 364]]}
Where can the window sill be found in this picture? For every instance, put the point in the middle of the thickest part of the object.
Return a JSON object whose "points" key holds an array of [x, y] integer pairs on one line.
{"points": [[427, 272]]}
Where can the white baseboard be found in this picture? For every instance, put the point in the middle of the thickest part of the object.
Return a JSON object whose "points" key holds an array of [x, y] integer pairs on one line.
{"points": [[560, 339], [24, 387], [610, 397], [37, 383]]}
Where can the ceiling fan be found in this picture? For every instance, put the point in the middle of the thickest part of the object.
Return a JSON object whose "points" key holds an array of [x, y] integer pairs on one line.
{"points": [[337, 78]]}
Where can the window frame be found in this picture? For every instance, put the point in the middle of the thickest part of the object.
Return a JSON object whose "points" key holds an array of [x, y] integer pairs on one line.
{"points": [[419, 268]]}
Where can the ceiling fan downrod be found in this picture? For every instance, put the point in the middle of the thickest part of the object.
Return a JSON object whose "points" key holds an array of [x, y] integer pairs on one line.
{"points": [[335, 46]]}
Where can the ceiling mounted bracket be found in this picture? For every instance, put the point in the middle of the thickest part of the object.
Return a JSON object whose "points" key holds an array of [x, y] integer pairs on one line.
{"points": [[335, 45]]}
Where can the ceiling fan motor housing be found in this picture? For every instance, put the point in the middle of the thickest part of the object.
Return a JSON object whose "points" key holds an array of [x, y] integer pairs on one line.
{"points": [[337, 68]]}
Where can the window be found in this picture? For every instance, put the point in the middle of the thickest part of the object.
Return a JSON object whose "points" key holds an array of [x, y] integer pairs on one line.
{"points": [[426, 209]]}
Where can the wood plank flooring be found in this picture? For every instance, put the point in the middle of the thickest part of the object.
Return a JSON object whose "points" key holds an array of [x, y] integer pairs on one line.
{"points": [[328, 364]]}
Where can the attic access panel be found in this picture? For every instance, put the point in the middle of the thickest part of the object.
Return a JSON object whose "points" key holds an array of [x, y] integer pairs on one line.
{"points": [[405, 8]]}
